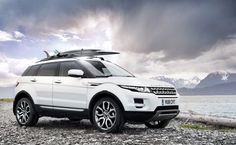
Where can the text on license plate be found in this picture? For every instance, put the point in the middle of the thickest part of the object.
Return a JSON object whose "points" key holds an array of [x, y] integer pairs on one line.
{"points": [[168, 102]]}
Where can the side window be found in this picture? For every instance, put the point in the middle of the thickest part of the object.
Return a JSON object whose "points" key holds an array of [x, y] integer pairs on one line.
{"points": [[66, 66], [49, 69], [32, 71]]}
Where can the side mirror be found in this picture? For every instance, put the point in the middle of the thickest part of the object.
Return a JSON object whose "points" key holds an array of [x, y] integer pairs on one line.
{"points": [[75, 73]]}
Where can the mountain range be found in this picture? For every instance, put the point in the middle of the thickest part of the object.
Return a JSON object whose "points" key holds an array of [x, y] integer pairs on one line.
{"points": [[216, 83], [180, 83], [217, 78]]}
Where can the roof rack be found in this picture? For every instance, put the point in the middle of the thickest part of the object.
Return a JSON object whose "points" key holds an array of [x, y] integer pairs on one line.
{"points": [[78, 53]]}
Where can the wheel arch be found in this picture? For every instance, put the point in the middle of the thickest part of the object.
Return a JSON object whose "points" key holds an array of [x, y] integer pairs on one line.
{"points": [[100, 95], [19, 95]]}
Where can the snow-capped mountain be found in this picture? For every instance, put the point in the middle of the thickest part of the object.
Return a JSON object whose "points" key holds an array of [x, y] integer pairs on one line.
{"points": [[217, 78], [180, 83], [217, 83], [219, 89]]}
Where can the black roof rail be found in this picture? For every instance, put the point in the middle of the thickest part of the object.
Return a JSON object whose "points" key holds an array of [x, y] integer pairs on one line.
{"points": [[79, 53]]}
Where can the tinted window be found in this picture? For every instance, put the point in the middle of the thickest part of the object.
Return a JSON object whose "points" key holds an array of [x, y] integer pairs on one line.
{"points": [[66, 66], [26, 71], [32, 71], [48, 69], [105, 69]]}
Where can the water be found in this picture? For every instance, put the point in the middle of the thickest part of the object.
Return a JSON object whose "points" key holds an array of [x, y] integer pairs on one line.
{"points": [[223, 106]]}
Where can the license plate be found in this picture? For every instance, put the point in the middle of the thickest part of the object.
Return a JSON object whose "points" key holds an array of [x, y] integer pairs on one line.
{"points": [[168, 102]]}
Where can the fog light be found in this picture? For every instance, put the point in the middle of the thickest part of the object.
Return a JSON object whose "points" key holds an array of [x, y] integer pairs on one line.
{"points": [[138, 101]]}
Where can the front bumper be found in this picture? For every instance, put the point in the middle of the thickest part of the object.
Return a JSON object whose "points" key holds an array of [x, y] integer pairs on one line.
{"points": [[149, 101], [160, 113], [163, 113]]}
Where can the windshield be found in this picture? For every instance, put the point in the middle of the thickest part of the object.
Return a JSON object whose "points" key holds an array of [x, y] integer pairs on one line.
{"points": [[105, 69]]}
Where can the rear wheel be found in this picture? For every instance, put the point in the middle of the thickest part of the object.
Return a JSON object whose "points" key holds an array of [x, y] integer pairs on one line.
{"points": [[25, 113], [157, 124], [108, 116]]}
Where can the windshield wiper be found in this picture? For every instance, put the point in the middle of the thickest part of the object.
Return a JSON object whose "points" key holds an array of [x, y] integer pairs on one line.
{"points": [[113, 76], [103, 76], [127, 76], [121, 76]]}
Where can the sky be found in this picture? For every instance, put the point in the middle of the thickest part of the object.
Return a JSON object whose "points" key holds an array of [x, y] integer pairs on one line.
{"points": [[181, 39]]}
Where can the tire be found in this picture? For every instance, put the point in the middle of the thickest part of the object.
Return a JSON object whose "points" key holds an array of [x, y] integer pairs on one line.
{"points": [[108, 116], [25, 113], [74, 119], [157, 124]]}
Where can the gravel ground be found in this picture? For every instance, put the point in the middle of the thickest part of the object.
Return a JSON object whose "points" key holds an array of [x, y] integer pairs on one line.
{"points": [[61, 131]]}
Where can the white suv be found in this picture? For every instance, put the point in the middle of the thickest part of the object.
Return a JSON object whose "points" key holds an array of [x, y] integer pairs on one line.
{"points": [[92, 88]]}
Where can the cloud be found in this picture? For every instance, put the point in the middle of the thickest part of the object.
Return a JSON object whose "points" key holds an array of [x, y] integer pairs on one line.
{"points": [[11, 69], [4, 36], [221, 57], [65, 36], [154, 36], [49, 16], [181, 29], [16, 36]]}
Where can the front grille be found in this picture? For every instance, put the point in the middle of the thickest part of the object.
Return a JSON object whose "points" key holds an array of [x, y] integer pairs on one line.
{"points": [[163, 90]]}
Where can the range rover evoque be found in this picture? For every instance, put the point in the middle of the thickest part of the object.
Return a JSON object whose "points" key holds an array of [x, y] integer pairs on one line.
{"points": [[79, 85]]}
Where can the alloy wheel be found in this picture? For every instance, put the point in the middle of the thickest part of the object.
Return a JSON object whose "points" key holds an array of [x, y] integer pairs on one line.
{"points": [[105, 115], [23, 112]]}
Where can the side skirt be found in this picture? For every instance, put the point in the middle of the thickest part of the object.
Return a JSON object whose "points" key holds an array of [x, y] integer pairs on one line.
{"points": [[61, 112]]}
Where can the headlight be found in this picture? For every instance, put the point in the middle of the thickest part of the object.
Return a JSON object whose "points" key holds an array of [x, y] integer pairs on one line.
{"points": [[136, 88]]}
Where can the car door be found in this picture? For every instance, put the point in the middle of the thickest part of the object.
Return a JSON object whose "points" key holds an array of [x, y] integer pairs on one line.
{"points": [[69, 93], [43, 82]]}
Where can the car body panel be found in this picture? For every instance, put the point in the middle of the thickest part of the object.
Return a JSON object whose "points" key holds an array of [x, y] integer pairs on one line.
{"points": [[69, 92], [39, 88]]}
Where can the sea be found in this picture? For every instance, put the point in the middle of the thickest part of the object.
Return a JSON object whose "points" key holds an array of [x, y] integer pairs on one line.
{"points": [[211, 105]]}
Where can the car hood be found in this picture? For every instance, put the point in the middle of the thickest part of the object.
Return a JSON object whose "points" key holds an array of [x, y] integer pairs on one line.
{"points": [[132, 81]]}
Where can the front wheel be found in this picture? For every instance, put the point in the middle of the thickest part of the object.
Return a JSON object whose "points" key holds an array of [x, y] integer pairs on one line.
{"points": [[108, 116], [157, 124], [25, 113]]}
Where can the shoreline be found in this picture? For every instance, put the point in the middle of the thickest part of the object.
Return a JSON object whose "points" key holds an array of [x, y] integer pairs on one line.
{"points": [[209, 120]]}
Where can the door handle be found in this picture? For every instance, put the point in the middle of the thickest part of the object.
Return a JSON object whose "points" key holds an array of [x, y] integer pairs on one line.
{"points": [[33, 80], [57, 82]]}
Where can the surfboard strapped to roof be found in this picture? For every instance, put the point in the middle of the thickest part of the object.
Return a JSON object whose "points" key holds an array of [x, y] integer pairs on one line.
{"points": [[78, 53]]}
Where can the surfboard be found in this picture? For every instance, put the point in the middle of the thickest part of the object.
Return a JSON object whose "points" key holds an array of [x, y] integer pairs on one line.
{"points": [[78, 53]]}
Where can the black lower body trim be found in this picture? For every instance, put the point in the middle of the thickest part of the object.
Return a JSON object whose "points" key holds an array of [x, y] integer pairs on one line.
{"points": [[138, 117], [62, 112], [160, 113]]}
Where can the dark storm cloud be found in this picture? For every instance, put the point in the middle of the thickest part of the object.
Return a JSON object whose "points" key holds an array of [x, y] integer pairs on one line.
{"points": [[44, 15], [181, 29]]}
